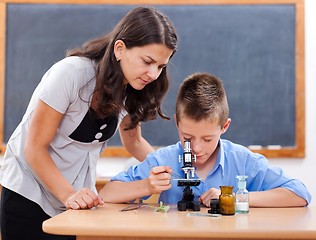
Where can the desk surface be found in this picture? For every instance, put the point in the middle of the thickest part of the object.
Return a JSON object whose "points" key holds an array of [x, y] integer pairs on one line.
{"points": [[107, 222]]}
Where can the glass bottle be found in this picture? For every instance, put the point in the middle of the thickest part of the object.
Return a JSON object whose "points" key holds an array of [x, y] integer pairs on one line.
{"points": [[242, 195], [227, 200]]}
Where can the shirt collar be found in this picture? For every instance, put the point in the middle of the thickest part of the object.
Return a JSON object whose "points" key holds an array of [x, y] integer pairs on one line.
{"points": [[220, 158]]}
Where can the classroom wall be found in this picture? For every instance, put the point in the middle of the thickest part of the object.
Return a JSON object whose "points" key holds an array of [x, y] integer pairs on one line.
{"points": [[303, 169]]}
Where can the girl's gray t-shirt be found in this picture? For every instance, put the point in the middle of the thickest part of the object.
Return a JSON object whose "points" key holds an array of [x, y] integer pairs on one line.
{"points": [[66, 87]]}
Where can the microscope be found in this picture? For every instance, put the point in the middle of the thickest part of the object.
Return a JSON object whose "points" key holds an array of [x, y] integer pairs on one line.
{"points": [[189, 180]]}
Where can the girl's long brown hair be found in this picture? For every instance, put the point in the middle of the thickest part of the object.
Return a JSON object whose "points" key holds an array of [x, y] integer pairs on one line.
{"points": [[140, 27]]}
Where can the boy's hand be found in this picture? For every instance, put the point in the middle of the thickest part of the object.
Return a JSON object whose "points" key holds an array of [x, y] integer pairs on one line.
{"points": [[159, 179], [206, 197]]}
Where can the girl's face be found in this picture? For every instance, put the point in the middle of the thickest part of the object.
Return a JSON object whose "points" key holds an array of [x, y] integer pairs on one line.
{"points": [[142, 65], [203, 135]]}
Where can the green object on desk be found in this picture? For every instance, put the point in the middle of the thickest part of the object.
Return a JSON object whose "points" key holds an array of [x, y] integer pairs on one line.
{"points": [[161, 208]]}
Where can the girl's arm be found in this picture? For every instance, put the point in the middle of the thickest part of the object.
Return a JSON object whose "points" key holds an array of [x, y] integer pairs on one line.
{"points": [[42, 129], [133, 141]]}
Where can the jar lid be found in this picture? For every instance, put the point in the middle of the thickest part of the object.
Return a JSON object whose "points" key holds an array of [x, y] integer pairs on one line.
{"points": [[214, 204]]}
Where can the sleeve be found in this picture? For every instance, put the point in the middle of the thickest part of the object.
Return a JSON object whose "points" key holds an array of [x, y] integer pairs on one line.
{"points": [[58, 86], [264, 177], [122, 114], [276, 177], [137, 172]]}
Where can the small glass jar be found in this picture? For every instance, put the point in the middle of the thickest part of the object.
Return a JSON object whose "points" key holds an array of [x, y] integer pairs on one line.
{"points": [[227, 200], [242, 196]]}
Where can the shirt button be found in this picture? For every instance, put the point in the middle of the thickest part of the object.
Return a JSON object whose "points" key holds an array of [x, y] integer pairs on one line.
{"points": [[103, 126], [98, 135]]}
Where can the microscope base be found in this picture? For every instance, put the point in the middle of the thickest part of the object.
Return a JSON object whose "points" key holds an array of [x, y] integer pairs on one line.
{"points": [[187, 201], [184, 205]]}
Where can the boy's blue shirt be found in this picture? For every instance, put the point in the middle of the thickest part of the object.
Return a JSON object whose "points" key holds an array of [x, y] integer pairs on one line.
{"points": [[232, 160]]}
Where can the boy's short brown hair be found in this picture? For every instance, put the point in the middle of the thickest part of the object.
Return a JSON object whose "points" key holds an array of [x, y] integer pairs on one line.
{"points": [[202, 97]]}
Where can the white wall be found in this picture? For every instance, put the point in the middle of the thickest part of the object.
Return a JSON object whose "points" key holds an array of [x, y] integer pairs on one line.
{"points": [[303, 169]]}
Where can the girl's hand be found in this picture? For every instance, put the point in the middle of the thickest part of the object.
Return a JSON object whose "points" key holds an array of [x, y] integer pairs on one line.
{"points": [[206, 197], [83, 199], [159, 179]]}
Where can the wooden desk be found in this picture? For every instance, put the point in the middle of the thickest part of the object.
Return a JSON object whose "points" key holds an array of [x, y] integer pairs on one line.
{"points": [[107, 222]]}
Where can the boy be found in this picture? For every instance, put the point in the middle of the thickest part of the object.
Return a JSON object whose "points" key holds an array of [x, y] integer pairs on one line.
{"points": [[202, 117]]}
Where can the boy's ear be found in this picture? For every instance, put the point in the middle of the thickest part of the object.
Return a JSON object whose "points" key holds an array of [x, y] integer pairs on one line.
{"points": [[226, 125], [119, 47], [175, 119]]}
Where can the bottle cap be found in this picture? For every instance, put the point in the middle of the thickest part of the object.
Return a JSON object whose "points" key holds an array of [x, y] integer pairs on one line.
{"points": [[242, 177], [214, 204], [242, 181]]}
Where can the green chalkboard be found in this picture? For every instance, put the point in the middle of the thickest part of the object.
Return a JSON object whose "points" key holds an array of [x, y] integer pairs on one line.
{"points": [[252, 48]]}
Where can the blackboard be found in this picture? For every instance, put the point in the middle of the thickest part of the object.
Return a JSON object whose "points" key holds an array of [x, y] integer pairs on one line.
{"points": [[253, 48]]}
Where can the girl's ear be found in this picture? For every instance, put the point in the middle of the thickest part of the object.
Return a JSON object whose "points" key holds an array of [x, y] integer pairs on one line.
{"points": [[226, 125], [119, 47]]}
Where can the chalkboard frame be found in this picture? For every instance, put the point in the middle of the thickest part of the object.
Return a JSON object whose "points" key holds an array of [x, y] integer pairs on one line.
{"points": [[297, 151]]}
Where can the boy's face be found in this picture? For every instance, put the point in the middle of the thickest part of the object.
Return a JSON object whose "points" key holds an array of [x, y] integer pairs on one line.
{"points": [[204, 136]]}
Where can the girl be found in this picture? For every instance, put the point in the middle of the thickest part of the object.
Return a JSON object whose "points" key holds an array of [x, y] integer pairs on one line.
{"points": [[117, 80]]}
